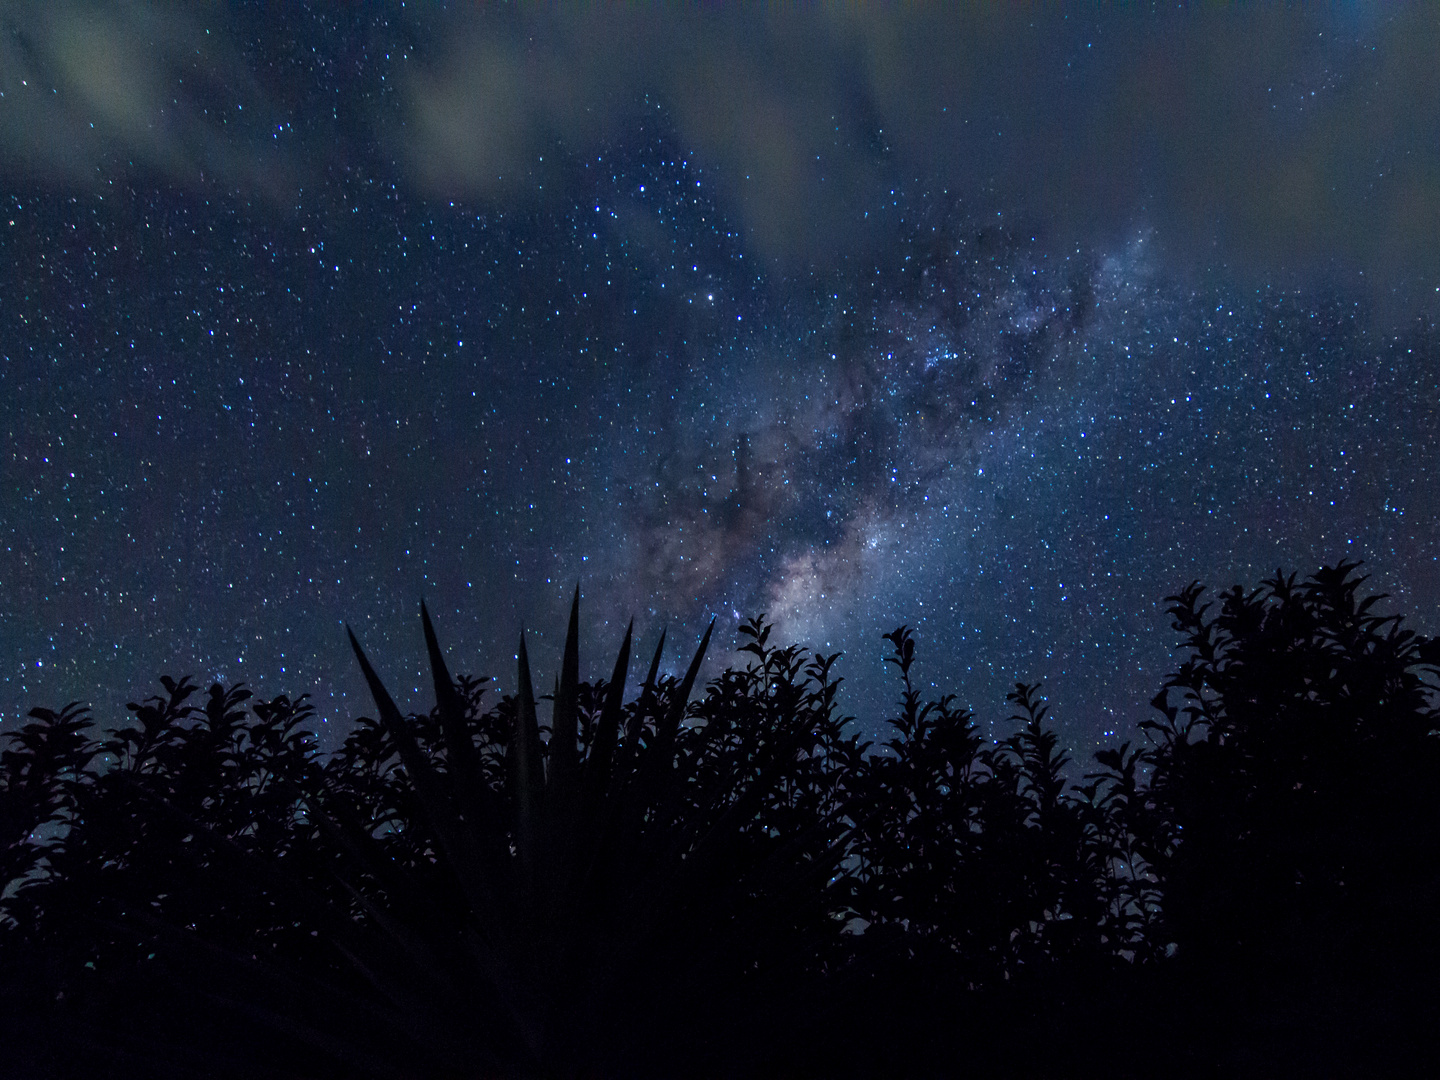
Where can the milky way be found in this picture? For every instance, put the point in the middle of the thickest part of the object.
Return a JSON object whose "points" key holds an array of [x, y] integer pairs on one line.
{"points": [[252, 392]]}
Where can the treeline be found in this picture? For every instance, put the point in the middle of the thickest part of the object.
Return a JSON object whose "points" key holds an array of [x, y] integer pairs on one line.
{"points": [[728, 881]]}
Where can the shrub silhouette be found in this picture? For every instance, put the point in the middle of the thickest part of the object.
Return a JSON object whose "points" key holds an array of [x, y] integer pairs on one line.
{"points": [[729, 881], [453, 892], [975, 861], [1295, 786]]}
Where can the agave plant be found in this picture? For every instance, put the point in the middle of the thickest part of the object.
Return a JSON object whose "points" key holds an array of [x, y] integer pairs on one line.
{"points": [[468, 891], [639, 868], [720, 880]]}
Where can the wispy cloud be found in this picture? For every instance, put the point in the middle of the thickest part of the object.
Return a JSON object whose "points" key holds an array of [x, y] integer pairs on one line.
{"points": [[1276, 141]]}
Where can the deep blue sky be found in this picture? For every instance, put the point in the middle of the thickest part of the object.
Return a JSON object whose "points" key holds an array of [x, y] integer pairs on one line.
{"points": [[999, 329]]}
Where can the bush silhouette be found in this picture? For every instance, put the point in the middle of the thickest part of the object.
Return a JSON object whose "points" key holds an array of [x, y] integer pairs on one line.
{"points": [[1296, 782], [453, 892], [726, 880]]}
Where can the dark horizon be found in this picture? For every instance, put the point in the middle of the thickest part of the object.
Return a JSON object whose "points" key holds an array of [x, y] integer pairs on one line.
{"points": [[725, 881]]}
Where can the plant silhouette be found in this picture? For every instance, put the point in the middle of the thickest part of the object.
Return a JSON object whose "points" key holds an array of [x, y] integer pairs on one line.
{"points": [[1296, 779], [727, 880]]}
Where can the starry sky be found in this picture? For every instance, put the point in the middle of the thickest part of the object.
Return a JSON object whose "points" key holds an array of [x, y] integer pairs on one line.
{"points": [[1000, 325]]}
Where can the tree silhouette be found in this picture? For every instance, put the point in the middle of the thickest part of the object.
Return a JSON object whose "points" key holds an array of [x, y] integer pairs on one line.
{"points": [[727, 880], [1297, 774]]}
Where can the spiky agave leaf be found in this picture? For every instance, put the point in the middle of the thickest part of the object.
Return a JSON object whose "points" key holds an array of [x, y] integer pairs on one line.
{"points": [[527, 776], [500, 944], [463, 762], [656, 770], [433, 797], [607, 733], [438, 804], [564, 725], [619, 890]]}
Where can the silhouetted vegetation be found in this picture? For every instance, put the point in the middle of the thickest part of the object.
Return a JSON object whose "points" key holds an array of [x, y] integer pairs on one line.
{"points": [[727, 880]]}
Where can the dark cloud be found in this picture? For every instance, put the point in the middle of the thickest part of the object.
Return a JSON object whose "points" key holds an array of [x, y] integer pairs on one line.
{"points": [[1264, 140], [89, 92], [1267, 140]]}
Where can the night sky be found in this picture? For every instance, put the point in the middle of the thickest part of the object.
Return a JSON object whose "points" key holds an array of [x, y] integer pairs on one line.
{"points": [[996, 325]]}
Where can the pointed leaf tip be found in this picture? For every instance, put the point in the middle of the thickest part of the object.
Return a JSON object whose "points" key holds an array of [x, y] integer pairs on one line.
{"points": [[655, 662], [565, 721]]}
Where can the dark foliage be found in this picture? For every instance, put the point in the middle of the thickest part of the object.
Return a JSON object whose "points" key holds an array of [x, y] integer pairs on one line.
{"points": [[1296, 830], [728, 881]]}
